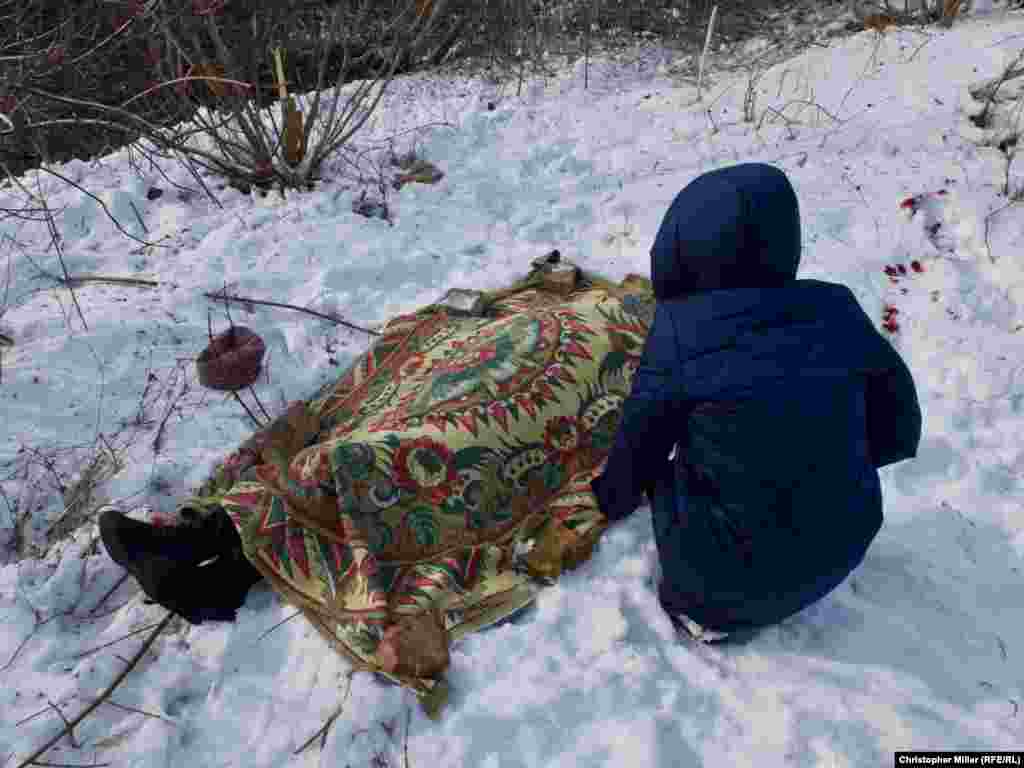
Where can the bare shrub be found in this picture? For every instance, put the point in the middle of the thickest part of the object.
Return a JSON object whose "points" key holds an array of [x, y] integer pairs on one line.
{"points": [[90, 52], [120, 53], [225, 79], [944, 12]]}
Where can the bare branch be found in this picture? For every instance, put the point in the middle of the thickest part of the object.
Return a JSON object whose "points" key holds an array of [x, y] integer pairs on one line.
{"points": [[79, 280], [17, 650], [91, 651], [105, 694], [108, 593], [988, 220], [102, 205], [989, 89], [322, 733], [67, 726], [140, 712], [278, 624], [221, 296], [55, 240]]}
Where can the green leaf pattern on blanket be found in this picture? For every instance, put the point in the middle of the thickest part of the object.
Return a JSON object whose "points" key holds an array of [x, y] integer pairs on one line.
{"points": [[421, 521], [381, 536], [552, 474]]}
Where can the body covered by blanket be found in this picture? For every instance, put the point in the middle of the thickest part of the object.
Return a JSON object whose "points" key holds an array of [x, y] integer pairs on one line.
{"points": [[396, 503]]}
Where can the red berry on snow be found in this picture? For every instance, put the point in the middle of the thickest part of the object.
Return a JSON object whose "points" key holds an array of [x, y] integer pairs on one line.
{"points": [[902, 269], [916, 266], [910, 202]]}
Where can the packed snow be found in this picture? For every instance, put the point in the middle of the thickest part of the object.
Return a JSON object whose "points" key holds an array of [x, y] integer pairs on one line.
{"points": [[920, 649]]}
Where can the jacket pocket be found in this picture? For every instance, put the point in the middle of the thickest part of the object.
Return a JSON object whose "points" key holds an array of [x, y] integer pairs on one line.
{"points": [[731, 536]]}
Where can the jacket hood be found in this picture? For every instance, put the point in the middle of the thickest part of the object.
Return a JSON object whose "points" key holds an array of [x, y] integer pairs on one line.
{"points": [[736, 227]]}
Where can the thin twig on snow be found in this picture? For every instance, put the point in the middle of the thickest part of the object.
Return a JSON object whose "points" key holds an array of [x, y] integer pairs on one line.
{"points": [[104, 695], [220, 296], [322, 733], [67, 726], [91, 651]]}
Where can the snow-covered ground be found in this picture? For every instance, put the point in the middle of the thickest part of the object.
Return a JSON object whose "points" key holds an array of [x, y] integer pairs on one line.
{"points": [[920, 649]]}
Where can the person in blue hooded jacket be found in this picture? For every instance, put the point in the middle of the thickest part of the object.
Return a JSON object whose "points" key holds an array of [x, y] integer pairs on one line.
{"points": [[780, 399]]}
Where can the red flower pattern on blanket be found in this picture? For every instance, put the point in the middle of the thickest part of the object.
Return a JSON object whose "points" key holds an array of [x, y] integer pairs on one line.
{"points": [[425, 467]]}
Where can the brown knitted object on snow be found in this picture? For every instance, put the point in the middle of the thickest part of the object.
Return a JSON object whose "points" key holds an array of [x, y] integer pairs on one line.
{"points": [[232, 360]]}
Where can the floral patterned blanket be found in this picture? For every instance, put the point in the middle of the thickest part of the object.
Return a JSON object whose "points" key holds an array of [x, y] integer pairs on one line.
{"points": [[444, 478]]}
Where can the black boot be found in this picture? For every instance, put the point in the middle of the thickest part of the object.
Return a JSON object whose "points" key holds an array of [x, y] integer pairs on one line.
{"points": [[165, 561], [129, 541], [210, 592], [160, 578]]}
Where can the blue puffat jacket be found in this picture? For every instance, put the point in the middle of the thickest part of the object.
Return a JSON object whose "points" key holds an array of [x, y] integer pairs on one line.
{"points": [[780, 398]]}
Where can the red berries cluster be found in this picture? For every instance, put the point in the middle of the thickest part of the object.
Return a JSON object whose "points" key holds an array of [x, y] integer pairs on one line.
{"points": [[913, 203], [895, 272], [898, 271], [889, 319]]}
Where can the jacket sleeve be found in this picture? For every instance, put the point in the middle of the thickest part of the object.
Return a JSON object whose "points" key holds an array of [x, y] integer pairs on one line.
{"points": [[894, 414], [647, 429]]}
